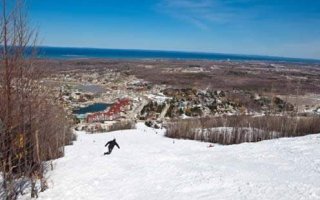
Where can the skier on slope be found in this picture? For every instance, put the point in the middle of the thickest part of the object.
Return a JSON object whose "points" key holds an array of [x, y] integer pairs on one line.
{"points": [[111, 144]]}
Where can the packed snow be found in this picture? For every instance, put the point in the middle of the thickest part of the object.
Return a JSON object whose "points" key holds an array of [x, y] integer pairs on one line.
{"points": [[151, 166]]}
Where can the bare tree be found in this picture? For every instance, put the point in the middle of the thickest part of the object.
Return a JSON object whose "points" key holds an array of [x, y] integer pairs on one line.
{"points": [[26, 139], [17, 83]]}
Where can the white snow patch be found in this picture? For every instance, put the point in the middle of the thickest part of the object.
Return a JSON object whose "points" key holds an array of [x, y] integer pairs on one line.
{"points": [[150, 166], [160, 98]]}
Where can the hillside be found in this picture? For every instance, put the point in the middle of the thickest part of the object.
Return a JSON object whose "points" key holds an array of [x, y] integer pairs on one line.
{"points": [[150, 166]]}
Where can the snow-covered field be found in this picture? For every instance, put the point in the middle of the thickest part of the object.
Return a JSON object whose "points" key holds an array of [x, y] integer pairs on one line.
{"points": [[150, 166]]}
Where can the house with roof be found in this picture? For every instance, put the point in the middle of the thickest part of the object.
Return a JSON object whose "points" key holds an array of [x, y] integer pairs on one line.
{"points": [[113, 113]]}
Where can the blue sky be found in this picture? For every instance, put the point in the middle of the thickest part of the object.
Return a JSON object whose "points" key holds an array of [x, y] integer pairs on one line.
{"points": [[261, 27]]}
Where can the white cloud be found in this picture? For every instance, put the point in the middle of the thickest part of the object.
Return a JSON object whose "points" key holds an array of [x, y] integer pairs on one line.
{"points": [[201, 13]]}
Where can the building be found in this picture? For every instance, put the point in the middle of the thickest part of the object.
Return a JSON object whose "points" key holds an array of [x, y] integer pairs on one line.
{"points": [[113, 113]]}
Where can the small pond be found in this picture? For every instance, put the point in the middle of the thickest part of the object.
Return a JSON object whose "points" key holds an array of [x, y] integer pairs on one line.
{"points": [[95, 89], [97, 107]]}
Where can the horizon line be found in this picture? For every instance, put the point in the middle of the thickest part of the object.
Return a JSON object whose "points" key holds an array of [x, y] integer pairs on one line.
{"points": [[182, 51]]}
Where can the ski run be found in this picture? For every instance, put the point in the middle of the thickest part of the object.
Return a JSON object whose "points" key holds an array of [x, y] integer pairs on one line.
{"points": [[150, 166]]}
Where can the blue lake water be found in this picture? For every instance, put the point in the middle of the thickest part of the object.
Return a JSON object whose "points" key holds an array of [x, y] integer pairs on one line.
{"points": [[97, 107], [78, 53]]}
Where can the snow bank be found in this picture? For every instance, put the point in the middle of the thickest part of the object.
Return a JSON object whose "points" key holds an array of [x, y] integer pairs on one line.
{"points": [[151, 166]]}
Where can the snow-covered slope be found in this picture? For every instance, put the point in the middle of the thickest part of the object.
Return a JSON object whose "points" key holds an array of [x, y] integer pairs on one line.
{"points": [[150, 166]]}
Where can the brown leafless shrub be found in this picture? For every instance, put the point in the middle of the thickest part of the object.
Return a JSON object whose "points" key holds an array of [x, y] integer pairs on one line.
{"points": [[122, 125], [238, 129]]}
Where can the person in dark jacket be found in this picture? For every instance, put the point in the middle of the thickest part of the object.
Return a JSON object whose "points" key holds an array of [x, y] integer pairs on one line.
{"points": [[111, 144]]}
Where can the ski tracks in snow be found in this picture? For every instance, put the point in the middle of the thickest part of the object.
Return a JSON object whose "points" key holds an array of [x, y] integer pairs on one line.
{"points": [[150, 166]]}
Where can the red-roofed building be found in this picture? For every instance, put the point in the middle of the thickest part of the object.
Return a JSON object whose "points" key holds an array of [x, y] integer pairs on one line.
{"points": [[113, 113]]}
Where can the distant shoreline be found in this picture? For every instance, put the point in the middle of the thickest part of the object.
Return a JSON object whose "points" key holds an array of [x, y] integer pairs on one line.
{"points": [[70, 53]]}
